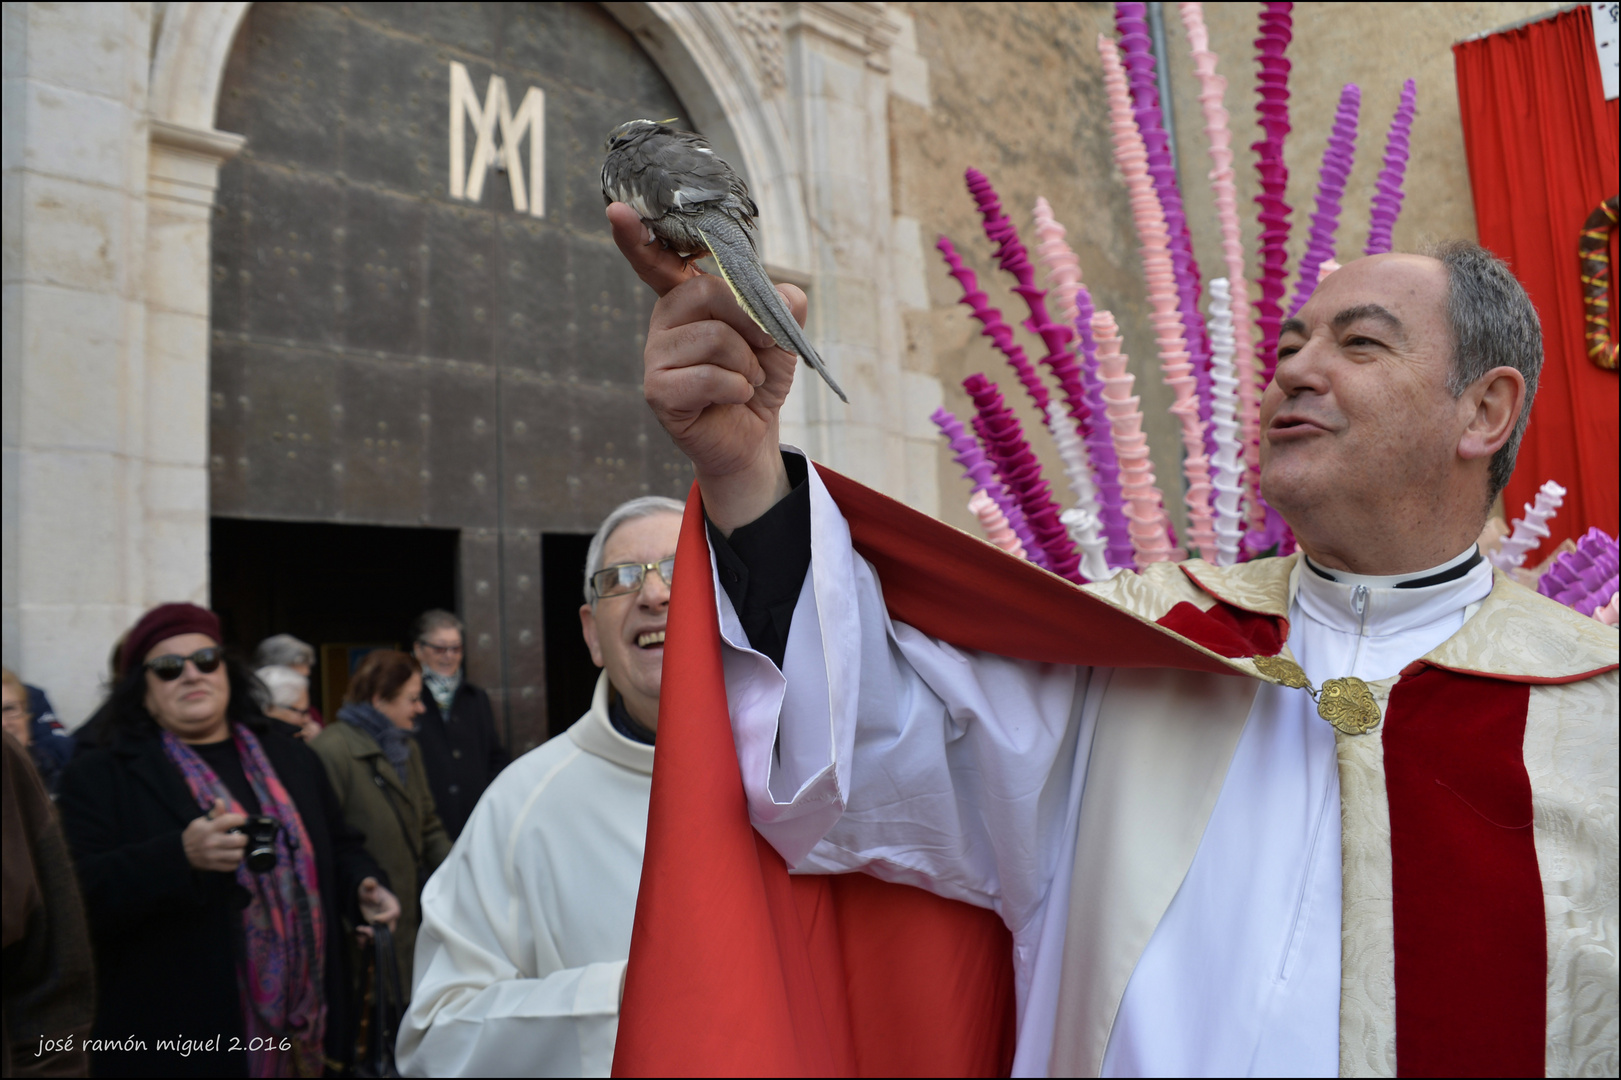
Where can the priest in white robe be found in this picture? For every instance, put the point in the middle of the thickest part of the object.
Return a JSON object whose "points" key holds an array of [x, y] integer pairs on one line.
{"points": [[1197, 871], [526, 927]]}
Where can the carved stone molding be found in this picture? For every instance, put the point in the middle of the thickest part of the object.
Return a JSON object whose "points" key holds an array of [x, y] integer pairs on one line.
{"points": [[184, 161], [864, 28], [761, 28]]}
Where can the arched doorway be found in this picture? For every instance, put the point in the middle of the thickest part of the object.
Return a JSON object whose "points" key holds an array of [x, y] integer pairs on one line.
{"points": [[400, 339]]}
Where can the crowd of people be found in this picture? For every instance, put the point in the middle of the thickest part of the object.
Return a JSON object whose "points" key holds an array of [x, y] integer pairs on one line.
{"points": [[196, 878]]}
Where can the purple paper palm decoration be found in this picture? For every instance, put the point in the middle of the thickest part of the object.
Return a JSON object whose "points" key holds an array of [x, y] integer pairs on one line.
{"points": [[1387, 196], [1325, 220]]}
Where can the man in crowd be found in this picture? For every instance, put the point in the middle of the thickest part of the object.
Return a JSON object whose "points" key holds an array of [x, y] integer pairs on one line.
{"points": [[1200, 874], [456, 730], [526, 927]]}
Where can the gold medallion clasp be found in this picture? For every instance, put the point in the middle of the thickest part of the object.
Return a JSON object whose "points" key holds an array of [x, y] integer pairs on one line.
{"points": [[1282, 670], [1346, 703], [1349, 705]]}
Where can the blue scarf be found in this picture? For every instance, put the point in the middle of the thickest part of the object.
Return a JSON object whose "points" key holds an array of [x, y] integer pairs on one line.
{"points": [[394, 741]]}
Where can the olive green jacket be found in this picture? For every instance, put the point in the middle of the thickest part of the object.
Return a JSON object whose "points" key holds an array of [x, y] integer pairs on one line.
{"points": [[403, 832]]}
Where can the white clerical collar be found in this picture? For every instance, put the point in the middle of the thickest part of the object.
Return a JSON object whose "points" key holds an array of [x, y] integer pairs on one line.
{"points": [[1375, 606]]}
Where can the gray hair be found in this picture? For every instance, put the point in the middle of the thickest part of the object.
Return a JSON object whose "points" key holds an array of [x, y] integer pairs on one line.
{"points": [[1494, 324], [283, 650], [437, 619], [283, 683], [646, 506]]}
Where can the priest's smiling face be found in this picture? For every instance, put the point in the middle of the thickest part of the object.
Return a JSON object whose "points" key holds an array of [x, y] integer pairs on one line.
{"points": [[1365, 450], [626, 633]]}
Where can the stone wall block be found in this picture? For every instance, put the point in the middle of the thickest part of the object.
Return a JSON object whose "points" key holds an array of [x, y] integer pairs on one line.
{"points": [[14, 103], [97, 48], [176, 552], [10, 463], [70, 374], [922, 475], [177, 257], [908, 71], [908, 261], [14, 42], [176, 362], [64, 648], [11, 381], [854, 314], [12, 232], [77, 234], [860, 453], [79, 136], [920, 395], [71, 536]]}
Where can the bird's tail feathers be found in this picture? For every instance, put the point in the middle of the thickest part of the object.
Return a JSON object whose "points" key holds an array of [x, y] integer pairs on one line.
{"points": [[743, 272]]}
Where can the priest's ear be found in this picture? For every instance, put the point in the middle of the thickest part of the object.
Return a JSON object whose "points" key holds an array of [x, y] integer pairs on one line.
{"points": [[1494, 401], [588, 629]]}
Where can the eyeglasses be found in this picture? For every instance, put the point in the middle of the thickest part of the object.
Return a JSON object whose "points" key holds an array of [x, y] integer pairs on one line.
{"points": [[171, 667], [626, 578], [440, 650]]}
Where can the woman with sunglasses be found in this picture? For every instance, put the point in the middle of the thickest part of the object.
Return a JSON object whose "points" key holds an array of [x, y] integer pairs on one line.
{"points": [[215, 865]]}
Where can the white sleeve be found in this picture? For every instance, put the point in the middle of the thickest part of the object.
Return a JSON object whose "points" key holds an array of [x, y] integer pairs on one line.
{"points": [[879, 748], [491, 997]]}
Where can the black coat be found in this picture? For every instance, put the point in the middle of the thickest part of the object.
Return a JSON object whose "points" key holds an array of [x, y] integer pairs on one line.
{"points": [[462, 754], [166, 936]]}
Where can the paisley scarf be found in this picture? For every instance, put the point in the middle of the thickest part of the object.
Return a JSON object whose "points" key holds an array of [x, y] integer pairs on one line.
{"points": [[280, 972]]}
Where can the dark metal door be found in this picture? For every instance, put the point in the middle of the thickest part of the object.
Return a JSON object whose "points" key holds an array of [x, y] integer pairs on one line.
{"points": [[390, 350]]}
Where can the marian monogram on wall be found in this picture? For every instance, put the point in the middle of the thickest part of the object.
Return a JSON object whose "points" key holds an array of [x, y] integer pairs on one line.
{"points": [[467, 177]]}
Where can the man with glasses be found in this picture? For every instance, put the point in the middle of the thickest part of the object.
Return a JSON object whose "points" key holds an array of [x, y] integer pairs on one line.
{"points": [[456, 730], [525, 932]]}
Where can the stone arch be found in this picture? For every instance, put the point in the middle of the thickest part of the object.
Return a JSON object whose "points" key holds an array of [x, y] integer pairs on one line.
{"points": [[730, 83], [733, 85]]}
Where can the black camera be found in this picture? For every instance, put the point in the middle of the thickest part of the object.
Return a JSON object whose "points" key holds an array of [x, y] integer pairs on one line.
{"points": [[261, 832]]}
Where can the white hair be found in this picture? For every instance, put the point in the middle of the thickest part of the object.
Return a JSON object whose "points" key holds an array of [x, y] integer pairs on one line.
{"points": [[645, 506], [285, 685], [283, 650]]}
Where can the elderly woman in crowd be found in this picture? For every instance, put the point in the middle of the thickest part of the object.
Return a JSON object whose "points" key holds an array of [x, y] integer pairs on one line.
{"points": [[376, 769], [284, 650], [215, 865], [289, 699]]}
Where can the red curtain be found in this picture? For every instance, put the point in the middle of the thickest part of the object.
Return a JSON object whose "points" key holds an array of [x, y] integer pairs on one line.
{"points": [[1542, 145]]}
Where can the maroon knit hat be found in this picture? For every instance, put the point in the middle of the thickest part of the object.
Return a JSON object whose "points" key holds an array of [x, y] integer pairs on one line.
{"points": [[165, 621]]}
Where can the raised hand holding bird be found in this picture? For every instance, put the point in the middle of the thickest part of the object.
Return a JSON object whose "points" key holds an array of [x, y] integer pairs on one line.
{"points": [[697, 204]]}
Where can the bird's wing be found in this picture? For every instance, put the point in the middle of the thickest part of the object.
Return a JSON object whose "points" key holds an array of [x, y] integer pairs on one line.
{"points": [[659, 175]]}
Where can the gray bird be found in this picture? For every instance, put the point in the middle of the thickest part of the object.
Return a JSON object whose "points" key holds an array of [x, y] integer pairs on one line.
{"points": [[696, 204]]}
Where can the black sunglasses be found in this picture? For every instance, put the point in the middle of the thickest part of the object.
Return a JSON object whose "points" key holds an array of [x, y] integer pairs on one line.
{"points": [[169, 668]]}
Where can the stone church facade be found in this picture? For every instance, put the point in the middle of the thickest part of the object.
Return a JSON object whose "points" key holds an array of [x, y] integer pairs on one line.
{"points": [[249, 285], [311, 314]]}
